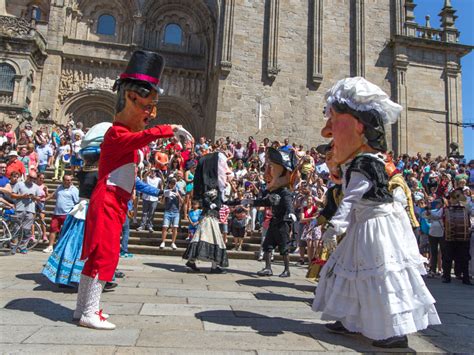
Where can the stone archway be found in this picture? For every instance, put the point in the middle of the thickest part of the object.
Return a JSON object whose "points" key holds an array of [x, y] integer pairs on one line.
{"points": [[173, 110], [89, 107]]}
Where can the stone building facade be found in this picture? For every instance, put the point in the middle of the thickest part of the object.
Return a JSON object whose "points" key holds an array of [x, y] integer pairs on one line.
{"points": [[234, 67]]}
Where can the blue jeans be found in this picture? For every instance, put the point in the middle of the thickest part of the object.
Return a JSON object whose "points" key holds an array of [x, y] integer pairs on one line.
{"points": [[125, 235], [42, 168], [171, 219]]}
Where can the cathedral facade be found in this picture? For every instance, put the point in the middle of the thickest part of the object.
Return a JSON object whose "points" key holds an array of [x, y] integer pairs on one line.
{"points": [[234, 67]]}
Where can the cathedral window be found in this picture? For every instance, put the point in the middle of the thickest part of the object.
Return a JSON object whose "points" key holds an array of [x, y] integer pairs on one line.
{"points": [[106, 25], [7, 82], [173, 35], [37, 14]]}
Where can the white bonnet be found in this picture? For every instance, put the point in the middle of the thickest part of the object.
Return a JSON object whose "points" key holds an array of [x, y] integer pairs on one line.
{"points": [[361, 95], [95, 135]]}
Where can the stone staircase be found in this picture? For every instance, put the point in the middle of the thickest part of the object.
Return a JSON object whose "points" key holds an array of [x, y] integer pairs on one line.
{"points": [[144, 242]]}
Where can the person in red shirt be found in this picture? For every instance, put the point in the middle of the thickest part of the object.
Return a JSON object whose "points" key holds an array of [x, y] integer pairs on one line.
{"points": [[14, 164], [136, 105], [174, 145]]}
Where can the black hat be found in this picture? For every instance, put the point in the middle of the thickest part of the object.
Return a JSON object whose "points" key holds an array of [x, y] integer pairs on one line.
{"points": [[286, 159], [146, 67], [323, 148]]}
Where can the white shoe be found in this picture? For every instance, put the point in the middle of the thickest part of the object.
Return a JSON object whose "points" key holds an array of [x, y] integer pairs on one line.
{"points": [[77, 315], [162, 245], [173, 246], [48, 250], [96, 321]]}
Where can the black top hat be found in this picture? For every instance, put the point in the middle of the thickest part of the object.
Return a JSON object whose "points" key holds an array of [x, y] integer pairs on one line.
{"points": [[284, 158], [146, 67]]}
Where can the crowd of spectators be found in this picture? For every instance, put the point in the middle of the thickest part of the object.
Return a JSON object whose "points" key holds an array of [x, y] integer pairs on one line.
{"points": [[25, 155]]}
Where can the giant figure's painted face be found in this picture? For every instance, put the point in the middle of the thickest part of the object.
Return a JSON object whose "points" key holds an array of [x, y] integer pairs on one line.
{"points": [[276, 176], [347, 134], [142, 110]]}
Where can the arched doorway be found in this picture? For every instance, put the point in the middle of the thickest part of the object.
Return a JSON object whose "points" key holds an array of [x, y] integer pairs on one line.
{"points": [[173, 110], [89, 107]]}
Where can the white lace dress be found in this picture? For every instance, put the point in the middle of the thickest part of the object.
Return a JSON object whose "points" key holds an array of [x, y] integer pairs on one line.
{"points": [[372, 282]]}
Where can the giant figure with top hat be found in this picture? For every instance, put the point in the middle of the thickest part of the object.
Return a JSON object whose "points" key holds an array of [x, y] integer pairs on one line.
{"points": [[279, 171], [138, 91], [372, 282]]}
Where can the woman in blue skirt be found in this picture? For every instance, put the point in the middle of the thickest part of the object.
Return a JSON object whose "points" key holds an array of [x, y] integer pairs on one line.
{"points": [[64, 265]]}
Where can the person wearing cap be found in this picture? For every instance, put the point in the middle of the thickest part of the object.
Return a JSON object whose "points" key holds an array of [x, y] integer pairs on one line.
{"points": [[14, 164], [372, 282], [279, 171], [138, 92]]}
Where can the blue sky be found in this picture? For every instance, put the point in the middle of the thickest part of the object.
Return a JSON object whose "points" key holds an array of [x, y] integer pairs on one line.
{"points": [[465, 24]]}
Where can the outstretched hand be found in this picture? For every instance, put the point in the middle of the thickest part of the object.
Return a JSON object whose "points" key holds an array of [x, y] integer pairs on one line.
{"points": [[180, 132]]}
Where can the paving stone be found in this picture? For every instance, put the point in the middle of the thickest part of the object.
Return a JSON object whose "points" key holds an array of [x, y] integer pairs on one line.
{"points": [[227, 323], [175, 286], [206, 294], [158, 323], [265, 312], [135, 291], [150, 309], [16, 333], [175, 351], [14, 317], [39, 349], [84, 336], [241, 302], [117, 296], [229, 340]]}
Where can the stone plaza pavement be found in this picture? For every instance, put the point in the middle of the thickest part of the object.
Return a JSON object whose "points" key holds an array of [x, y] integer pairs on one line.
{"points": [[161, 309]]}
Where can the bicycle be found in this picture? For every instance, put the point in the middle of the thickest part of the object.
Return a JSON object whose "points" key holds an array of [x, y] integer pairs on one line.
{"points": [[17, 235], [5, 234]]}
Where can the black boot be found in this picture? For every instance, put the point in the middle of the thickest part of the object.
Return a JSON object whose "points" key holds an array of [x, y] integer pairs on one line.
{"points": [[192, 265], [393, 342], [338, 328], [267, 270], [286, 261]]}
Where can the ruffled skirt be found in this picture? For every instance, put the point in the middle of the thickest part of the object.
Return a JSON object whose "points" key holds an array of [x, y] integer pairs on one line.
{"points": [[207, 243], [372, 282], [64, 265]]}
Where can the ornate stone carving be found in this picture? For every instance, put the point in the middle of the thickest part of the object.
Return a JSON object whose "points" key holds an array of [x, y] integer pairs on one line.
{"points": [[14, 26], [76, 77]]}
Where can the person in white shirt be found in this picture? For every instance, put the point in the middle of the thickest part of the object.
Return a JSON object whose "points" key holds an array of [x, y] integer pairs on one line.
{"points": [[149, 202], [63, 157], [77, 131]]}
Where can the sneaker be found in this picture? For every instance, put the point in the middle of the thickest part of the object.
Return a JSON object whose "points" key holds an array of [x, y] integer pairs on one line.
{"points": [[239, 248], [109, 286], [48, 250], [150, 229], [140, 228], [123, 254], [285, 273], [260, 257], [265, 272], [162, 245], [119, 274], [96, 321], [173, 246], [23, 251]]}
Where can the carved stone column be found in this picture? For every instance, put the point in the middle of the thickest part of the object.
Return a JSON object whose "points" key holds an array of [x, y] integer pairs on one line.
{"points": [[317, 45], [138, 30], [453, 103], [410, 23], [227, 36], [358, 38], [399, 17], [401, 96], [273, 24]]}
